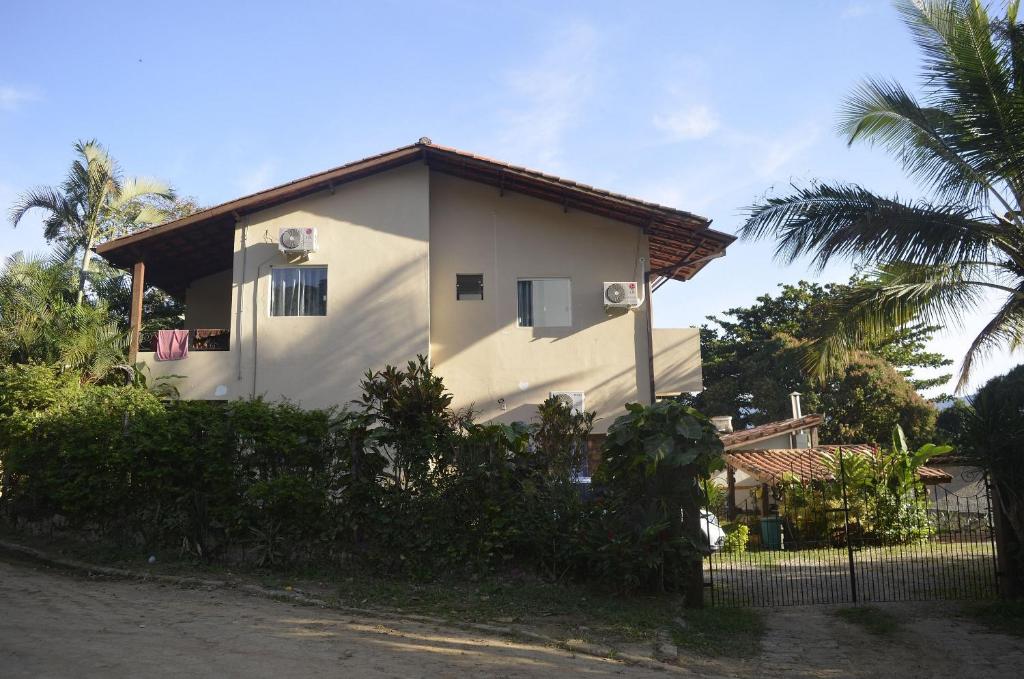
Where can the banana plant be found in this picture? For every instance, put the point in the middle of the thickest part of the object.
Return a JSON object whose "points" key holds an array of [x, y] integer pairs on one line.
{"points": [[900, 466]]}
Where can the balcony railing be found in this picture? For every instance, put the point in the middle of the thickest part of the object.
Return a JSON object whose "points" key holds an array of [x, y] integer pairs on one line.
{"points": [[203, 339]]}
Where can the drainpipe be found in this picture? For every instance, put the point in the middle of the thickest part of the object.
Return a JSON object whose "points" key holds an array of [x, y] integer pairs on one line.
{"points": [[237, 340], [256, 320], [650, 329]]}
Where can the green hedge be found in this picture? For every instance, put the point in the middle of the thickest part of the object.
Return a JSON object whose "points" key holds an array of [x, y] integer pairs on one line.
{"points": [[272, 483], [400, 483]]}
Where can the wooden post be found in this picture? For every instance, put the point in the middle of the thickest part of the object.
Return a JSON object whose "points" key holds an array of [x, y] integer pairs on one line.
{"points": [[765, 501], [135, 317], [650, 336]]}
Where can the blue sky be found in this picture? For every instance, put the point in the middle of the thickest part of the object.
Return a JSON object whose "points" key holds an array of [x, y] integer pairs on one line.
{"points": [[703, 106]]}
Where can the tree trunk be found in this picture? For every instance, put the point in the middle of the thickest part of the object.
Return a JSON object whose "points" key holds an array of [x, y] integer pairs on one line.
{"points": [[1008, 510], [83, 272]]}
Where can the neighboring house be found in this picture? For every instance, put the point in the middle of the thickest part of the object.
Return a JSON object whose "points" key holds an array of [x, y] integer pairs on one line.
{"points": [[758, 458], [494, 272]]}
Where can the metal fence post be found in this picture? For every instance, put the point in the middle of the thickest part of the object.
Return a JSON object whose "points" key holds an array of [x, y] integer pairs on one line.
{"points": [[846, 528], [710, 584]]}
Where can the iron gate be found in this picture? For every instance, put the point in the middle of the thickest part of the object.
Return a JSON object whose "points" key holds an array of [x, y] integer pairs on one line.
{"points": [[823, 542]]}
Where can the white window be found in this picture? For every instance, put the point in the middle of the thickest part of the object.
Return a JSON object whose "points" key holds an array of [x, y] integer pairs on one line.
{"points": [[298, 291], [545, 303]]}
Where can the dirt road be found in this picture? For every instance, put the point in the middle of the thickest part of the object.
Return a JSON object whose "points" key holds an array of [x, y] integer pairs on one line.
{"points": [[55, 625], [58, 625]]}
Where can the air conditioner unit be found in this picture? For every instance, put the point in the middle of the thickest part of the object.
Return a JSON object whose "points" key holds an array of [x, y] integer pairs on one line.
{"points": [[573, 399], [297, 240], [621, 295]]}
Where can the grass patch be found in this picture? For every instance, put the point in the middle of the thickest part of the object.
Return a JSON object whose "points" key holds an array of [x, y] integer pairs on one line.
{"points": [[873, 620], [1006, 617], [562, 611], [568, 611], [721, 632]]}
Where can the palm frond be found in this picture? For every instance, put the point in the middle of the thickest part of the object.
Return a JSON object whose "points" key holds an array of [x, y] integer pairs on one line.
{"points": [[893, 296], [43, 198], [1011, 35], [926, 140], [827, 222], [150, 214], [96, 157], [135, 188], [1005, 328], [970, 78]]}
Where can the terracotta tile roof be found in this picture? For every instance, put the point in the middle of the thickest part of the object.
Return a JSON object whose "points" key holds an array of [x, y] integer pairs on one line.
{"points": [[176, 252], [766, 431], [808, 464]]}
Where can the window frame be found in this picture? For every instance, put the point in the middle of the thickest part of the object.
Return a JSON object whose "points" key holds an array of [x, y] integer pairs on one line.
{"points": [[270, 294], [469, 275], [533, 315]]}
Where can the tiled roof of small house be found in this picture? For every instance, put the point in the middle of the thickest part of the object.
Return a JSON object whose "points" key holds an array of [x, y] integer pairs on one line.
{"points": [[767, 431], [808, 464]]}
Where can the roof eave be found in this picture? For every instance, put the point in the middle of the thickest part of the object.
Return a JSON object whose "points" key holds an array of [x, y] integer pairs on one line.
{"points": [[678, 238]]}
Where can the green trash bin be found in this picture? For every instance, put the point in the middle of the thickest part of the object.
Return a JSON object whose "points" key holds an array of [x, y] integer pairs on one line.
{"points": [[771, 532]]}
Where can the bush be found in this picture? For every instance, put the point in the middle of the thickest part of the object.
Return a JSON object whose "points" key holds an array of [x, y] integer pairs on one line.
{"points": [[995, 437], [736, 537], [402, 483], [654, 463]]}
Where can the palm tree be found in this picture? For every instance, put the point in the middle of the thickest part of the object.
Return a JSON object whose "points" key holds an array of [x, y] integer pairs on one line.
{"points": [[935, 259], [94, 202]]}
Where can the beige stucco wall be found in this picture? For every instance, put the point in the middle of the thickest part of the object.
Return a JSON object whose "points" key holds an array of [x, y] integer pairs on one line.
{"points": [[208, 302], [203, 376], [393, 244], [784, 440], [677, 361], [486, 360], [373, 238]]}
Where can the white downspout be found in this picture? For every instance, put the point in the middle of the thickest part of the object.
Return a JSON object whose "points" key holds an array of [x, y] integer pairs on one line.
{"points": [[237, 340]]}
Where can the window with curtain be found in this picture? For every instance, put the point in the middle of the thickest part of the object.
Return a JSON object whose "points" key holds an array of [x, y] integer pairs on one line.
{"points": [[298, 291], [544, 303]]}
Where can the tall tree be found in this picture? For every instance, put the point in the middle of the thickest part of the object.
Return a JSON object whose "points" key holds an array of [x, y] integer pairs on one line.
{"points": [[751, 364], [113, 286], [933, 260], [93, 203]]}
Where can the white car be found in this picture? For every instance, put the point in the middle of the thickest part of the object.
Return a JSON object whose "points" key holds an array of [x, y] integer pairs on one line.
{"points": [[711, 530]]}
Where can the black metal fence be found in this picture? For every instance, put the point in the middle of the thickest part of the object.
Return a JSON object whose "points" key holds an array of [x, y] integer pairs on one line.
{"points": [[826, 542]]}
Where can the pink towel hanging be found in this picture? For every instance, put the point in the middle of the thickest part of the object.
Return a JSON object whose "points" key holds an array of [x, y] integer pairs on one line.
{"points": [[171, 345]]}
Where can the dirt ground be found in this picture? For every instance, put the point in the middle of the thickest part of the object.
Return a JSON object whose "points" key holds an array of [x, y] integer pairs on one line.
{"points": [[58, 625], [933, 640]]}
